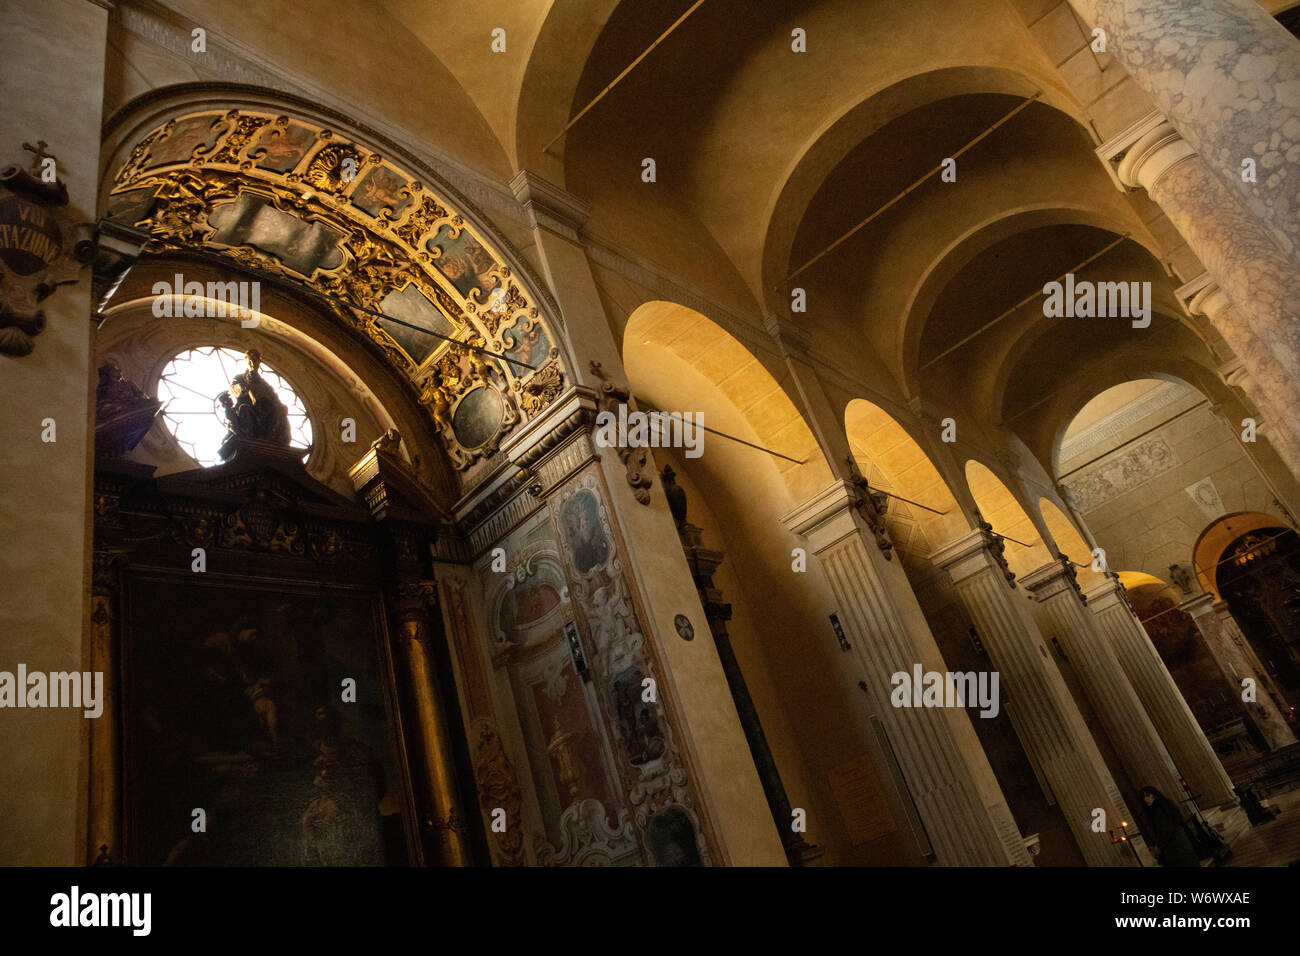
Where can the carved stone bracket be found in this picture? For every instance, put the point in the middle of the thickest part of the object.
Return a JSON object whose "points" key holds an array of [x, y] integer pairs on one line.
{"points": [[871, 506], [993, 544], [640, 476]]}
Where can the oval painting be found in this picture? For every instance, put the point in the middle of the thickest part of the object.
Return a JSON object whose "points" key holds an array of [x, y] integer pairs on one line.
{"points": [[478, 417]]}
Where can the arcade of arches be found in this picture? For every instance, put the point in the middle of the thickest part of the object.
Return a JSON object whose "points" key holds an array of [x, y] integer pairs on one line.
{"points": [[312, 462]]}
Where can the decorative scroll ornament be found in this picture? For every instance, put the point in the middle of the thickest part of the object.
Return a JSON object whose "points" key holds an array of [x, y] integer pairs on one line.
{"points": [[640, 474], [498, 789], [993, 544], [41, 247], [872, 505]]}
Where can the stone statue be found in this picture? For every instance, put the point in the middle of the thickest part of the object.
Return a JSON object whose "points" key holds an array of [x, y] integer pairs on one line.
{"points": [[253, 409], [1181, 577], [675, 494]]}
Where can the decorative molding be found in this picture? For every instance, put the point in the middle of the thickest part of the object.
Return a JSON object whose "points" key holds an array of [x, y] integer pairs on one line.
{"points": [[1123, 418], [1118, 474]]}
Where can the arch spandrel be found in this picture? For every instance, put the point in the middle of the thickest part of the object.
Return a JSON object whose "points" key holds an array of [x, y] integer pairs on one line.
{"points": [[280, 194]]}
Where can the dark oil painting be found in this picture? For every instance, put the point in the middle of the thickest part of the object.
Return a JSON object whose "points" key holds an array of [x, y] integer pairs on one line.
{"points": [[233, 702]]}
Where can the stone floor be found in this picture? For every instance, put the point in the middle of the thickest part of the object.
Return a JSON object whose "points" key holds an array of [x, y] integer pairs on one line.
{"points": [[1272, 844]]}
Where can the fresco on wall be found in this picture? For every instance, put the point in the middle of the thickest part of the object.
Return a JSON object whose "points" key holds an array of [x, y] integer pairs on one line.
{"points": [[185, 137], [281, 147], [232, 702], [463, 262], [303, 247], [589, 546], [531, 346], [382, 189], [410, 307], [672, 839], [478, 416], [638, 723], [572, 749]]}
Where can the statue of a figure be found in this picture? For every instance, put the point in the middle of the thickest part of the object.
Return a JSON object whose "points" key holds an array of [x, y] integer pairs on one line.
{"points": [[253, 409]]}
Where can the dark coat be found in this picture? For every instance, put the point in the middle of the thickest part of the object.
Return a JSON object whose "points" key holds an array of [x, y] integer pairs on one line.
{"points": [[1171, 834]]}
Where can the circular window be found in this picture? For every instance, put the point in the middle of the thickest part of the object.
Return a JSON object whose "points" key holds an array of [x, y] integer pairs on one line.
{"points": [[191, 387]]}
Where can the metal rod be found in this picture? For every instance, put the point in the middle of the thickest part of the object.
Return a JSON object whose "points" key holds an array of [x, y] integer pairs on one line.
{"points": [[601, 95], [1029, 298], [714, 431], [864, 222]]}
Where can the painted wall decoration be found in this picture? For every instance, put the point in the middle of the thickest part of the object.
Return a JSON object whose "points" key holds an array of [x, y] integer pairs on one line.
{"points": [[478, 416], [284, 196], [233, 702], [1121, 473], [650, 766]]}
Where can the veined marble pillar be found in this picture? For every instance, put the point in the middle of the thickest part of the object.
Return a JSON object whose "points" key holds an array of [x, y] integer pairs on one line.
{"points": [[1238, 661], [1047, 715], [1227, 76], [1165, 705], [1262, 287], [948, 776], [1127, 724], [1256, 295]]}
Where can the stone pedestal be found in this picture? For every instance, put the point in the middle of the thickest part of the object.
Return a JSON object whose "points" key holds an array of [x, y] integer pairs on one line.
{"points": [[1227, 76], [1047, 719], [1238, 661], [948, 776], [1164, 703], [1131, 733]]}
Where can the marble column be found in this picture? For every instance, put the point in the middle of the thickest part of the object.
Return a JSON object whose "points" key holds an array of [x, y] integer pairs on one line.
{"points": [[946, 771], [444, 821], [1131, 732], [1260, 286], [1238, 661], [1053, 729], [1227, 76], [1165, 705]]}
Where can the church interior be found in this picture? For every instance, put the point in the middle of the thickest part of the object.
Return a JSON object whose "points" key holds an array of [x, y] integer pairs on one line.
{"points": [[950, 518]]}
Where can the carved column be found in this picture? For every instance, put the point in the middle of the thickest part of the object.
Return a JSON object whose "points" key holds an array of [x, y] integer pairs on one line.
{"points": [[430, 749], [1047, 717], [1165, 705], [947, 774], [104, 817], [1227, 75], [1127, 724], [1260, 282], [1238, 661]]}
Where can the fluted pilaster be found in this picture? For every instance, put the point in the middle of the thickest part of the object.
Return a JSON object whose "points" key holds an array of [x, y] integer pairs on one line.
{"points": [[1164, 703], [947, 774], [1048, 719], [1131, 732]]}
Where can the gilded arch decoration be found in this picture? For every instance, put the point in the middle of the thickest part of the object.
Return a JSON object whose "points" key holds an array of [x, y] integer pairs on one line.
{"points": [[287, 197]]}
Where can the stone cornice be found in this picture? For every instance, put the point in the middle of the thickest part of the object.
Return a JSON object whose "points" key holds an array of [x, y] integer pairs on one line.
{"points": [[1051, 579], [826, 517], [547, 206]]}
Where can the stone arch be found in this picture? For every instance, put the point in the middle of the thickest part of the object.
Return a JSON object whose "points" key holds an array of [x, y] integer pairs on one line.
{"points": [[659, 335], [295, 197], [1070, 543], [1220, 533], [925, 515], [1025, 548]]}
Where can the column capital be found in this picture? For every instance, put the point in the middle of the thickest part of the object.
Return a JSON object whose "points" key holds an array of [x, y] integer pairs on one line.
{"points": [[827, 517], [1139, 155], [1055, 577], [1199, 605], [548, 206], [977, 551]]}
